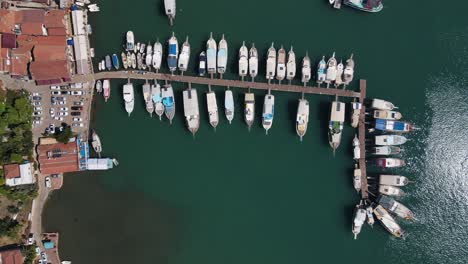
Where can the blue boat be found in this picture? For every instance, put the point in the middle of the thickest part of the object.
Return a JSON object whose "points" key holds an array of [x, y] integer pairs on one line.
{"points": [[115, 61], [173, 53], [393, 126]]}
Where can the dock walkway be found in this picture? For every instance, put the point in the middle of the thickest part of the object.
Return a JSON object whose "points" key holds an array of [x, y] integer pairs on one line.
{"points": [[362, 140]]}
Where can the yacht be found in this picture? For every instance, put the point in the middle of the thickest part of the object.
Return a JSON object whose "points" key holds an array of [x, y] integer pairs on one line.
{"points": [[243, 60], [395, 207], [202, 64], [173, 53], [385, 125], [389, 162], [128, 96], [365, 5], [306, 71], [321, 69], [370, 217], [124, 60], [268, 112], [106, 89], [355, 113], [390, 190], [170, 8], [134, 61], [96, 143], [130, 41], [281, 66], [393, 180], [147, 98], [382, 105], [390, 140], [249, 111], [229, 105], [157, 55], [331, 70], [387, 114], [191, 110], [358, 220], [335, 127], [184, 56], [271, 63], [339, 74], [253, 62], [348, 73], [385, 150], [222, 55], [291, 65], [302, 118], [211, 50], [98, 86], [387, 221], [157, 100], [357, 179], [212, 109], [149, 55], [168, 101]]}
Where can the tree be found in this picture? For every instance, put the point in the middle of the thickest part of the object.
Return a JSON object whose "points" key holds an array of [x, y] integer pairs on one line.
{"points": [[9, 227], [29, 254], [65, 135], [12, 209]]}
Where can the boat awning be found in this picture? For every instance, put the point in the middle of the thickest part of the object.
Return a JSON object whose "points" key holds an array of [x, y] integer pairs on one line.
{"points": [[172, 49]]}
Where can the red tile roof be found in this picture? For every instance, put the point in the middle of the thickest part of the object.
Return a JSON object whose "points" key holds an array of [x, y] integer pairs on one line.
{"points": [[46, 70], [32, 28], [49, 53], [29, 15], [11, 171], [55, 19], [67, 162], [20, 58], [8, 40], [56, 31], [11, 256], [7, 20]]}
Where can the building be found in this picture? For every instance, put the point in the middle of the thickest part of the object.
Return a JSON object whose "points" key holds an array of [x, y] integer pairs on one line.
{"points": [[18, 174], [11, 256], [81, 54], [58, 158]]}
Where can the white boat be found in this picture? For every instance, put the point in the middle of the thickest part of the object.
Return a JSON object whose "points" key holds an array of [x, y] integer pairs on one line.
{"points": [[268, 112], [335, 127], [356, 149], [191, 110], [229, 105], [331, 2], [358, 220], [139, 61], [96, 143], [356, 106], [222, 55], [306, 70], [137, 47], [149, 55], [271, 63], [124, 60], [170, 8], [339, 74], [391, 190], [184, 56], [157, 99], [302, 118], [387, 114], [93, 8], [253, 62], [291, 65], [106, 89], [202, 64], [168, 101], [357, 179], [157, 55], [134, 61], [281, 66], [370, 217], [387, 221], [393, 180], [173, 53], [212, 106], [331, 70], [98, 86], [390, 140], [129, 98], [249, 110], [142, 48], [348, 73], [321, 71], [211, 50], [395, 207], [130, 41], [100, 66], [147, 97], [385, 150], [382, 105], [243, 60], [389, 162]]}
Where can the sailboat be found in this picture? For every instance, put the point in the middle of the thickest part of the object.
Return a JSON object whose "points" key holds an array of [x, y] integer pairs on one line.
{"points": [[202, 64], [271, 63], [302, 118], [253, 62], [281, 66], [106, 89], [243, 60], [184, 56], [291, 65], [306, 71], [268, 112], [147, 97], [229, 105], [212, 109], [348, 73], [222, 55], [173, 53], [211, 50]]}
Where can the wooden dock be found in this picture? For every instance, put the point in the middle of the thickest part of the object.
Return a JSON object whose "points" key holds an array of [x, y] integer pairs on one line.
{"points": [[362, 140]]}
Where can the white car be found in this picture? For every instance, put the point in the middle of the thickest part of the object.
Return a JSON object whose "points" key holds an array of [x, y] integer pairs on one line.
{"points": [[37, 108], [37, 122], [76, 103], [55, 87], [62, 102], [48, 184], [77, 92], [55, 92], [30, 239], [36, 94], [37, 113], [36, 103], [77, 119], [62, 113], [59, 118], [63, 108], [77, 125]]}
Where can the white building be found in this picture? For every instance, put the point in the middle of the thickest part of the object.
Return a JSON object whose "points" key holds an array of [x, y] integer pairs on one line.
{"points": [[18, 174]]}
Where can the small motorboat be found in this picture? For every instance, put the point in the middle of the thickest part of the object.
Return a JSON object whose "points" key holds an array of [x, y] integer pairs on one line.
{"points": [[389, 162], [98, 86], [387, 114], [202, 64], [331, 70], [382, 105], [385, 150], [339, 74], [358, 220], [348, 73], [393, 180], [395, 207], [306, 71], [370, 217], [390, 140], [391, 190], [321, 69]]}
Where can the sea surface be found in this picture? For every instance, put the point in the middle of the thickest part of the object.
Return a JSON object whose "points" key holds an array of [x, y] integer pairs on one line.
{"points": [[234, 196]]}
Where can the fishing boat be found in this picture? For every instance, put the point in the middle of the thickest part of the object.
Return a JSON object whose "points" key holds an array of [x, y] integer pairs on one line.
{"points": [[212, 106], [395, 207], [106, 89], [147, 98], [390, 190], [331, 70], [170, 8], [157, 100], [229, 105], [173, 53], [281, 66], [387, 221], [249, 110], [253, 61], [124, 60], [389, 162], [390, 140], [222, 55], [385, 125], [139, 61], [335, 127], [268, 112], [306, 71], [202, 64], [385, 150], [393, 180], [157, 55], [271, 63], [211, 50], [191, 112], [370, 217], [168, 101], [356, 112], [321, 71], [382, 105], [348, 73], [98, 86], [149, 55], [134, 61], [358, 220], [108, 63], [243, 60], [302, 117], [357, 179], [184, 56], [365, 5], [129, 97], [291, 65], [130, 41], [142, 48], [96, 143], [339, 74], [387, 114]]}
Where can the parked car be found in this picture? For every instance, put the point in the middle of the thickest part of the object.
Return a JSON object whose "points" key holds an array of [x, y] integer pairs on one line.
{"points": [[76, 85], [77, 92], [36, 98], [76, 103], [63, 108], [77, 108], [37, 122], [77, 119], [62, 113], [59, 118], [77, 125], [64, 92], [53, 87], [37, 118], [36, 94], [75, 113], [37, 108], [37, 113], [62, 102], [60, 98], [30, 239], [55, 92], [36, 103]]}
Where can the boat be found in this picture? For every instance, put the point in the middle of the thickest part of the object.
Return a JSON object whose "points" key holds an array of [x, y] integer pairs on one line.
{"points": [[184, 56], [302, 117], [253, 61], [348, 73], [142, 48], [388, 222], [321, 69], [134, 61], [173, 53], [356, 106], [281, 66], [202, 64], [395, 207], [149, 55], [249, 110], [222, 55], [157, 99], [268, 112], [191, 112], [385, 150], [168, 101], [106, 89], [129, 59], [357, 179], [130, 41], [211, 50], [391, 190], [229, 105], [357, 148], [390, 140], [147, 98], [382, 105], [139, 61], [389, 162], [157, 55], [339, 74], [137, 47], [387, 114], [96, 143], [358, 219], [108, 63], [271, 63], [393, 180], [93, 8], [243, 60], [370, 217], [100, 66], [335, 127], [331, 70], [124, 60], [129, 97], [291, 65], [99, 86], [331, 2], [170, 8], [385, 125], [212, 109], [306, 71], [365, 5]]}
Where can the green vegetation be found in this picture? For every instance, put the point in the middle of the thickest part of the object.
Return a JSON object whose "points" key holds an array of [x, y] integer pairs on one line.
{"points": [[9, 227], [65, 135], [19, 193], [29, 253]]}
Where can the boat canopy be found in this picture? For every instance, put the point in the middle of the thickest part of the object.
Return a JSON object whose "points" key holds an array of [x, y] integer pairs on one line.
{"points": [[156, 98], [382, 124], [172, 49], [168, 101]]}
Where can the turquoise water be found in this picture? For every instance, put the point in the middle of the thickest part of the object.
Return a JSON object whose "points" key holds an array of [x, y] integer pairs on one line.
{"points": [[234, 196]]}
